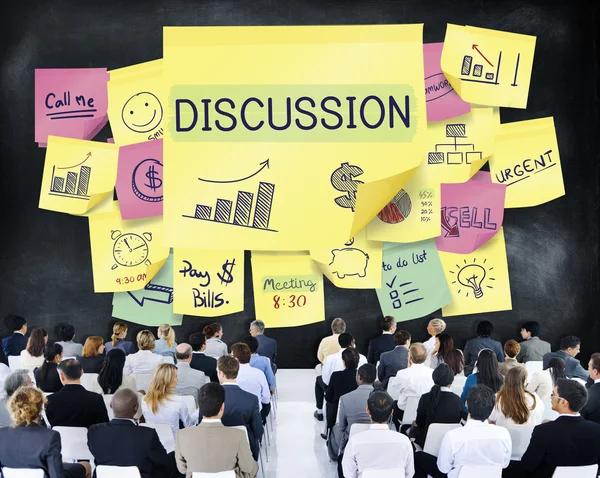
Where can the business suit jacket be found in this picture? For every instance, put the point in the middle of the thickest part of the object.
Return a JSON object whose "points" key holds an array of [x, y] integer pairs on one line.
{"points": [[123, 443], [448, 410], [14, 344], [189, 380], [31, 447], [533, 350], [573, 367], [51, 383], [379, 345], [125, 345], [267, 347], [74, 406], [567, 441], [92, 364], [205, 364], [340, 383], [476, 345], [592, 409], [352, 409], [391, 362], [212, 448]]}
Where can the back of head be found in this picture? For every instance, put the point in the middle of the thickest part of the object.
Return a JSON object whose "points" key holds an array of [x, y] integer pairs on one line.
{"points": [[442, 376], [480, 402], [595, 362], [19, 378], [91, 346], [210, 399], [50, 353], [251, 342], [338, 326], [145, 340], [71, 369], [557, 368], [532, 327], [367, 374], [380, 406], [25, 405], [388, 323], [66, 332], [37, 342], [401, 337], [487, 370], [485, 328], [573, 392], [118, 329], [511, 348], [449, 354], [197, 340], [241, 352], [229, 366], [438, 325], [351, 357], [569, 342], [110, 377], [211, 330], [258, 326], [14, 322], [161, 386], [345, 340], [418, 353], [512, 397], [124, 403], [183, 351], [168, 333]]}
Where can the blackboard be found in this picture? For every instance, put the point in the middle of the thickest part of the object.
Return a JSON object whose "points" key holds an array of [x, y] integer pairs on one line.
{"points": [[45, 268]]}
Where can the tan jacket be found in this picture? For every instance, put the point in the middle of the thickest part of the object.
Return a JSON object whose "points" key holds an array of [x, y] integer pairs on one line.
{"points": [[212, 448], [504, 367], [329, 345]]}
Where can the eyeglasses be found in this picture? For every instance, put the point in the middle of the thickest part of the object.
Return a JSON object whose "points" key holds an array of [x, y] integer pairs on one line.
{"points": [[556, 396]]}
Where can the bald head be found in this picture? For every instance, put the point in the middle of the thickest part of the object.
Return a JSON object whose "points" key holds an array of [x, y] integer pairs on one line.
{"points": [[124, 403], [183, 353]]}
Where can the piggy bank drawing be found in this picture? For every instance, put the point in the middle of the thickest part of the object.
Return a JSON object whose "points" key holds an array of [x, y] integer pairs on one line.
{"points": [[349, 262]]}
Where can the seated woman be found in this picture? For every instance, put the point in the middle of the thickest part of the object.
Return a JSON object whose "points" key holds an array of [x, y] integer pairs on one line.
{"points": [[29, 445], [143, 361], [446, 353], [33, 355], [46, 376], [514, 404], [92, 357], [215, 347], [111, 378], [487, 374], [440, 405], [162, 405], [166, 345], [118, 339], [542, 383]]}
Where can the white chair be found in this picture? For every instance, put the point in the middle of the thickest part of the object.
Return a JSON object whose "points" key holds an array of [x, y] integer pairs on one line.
{"points": [[435, 434], [410, 410], [476, 471], [105, 471], [548, 414], [107, 399], [588, 471], [378, 473], [142, 380], [14, 362], [458, 384], [165, 435], [359, 427], [167, 359], [74, 443], [520, 435], [221, 474], [89, 380], [534, 366], [22, 472], [190, 403]]}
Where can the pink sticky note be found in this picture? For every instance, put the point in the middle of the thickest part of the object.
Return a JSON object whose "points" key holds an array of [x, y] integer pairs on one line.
{"points": [[441, 99], [140, 180], [70, 102], [472, 213]]}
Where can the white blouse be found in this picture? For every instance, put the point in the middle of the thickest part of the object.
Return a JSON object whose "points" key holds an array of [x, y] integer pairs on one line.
{"points": [[144, 361], [216, 348], [535, 415], [29, 362], [170, 412]]}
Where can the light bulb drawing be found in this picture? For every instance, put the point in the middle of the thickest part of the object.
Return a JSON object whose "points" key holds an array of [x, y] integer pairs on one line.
{"points": [[472, 276]]}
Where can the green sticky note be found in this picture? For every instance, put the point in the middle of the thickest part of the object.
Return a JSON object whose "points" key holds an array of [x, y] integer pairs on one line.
{"points": [[152, 305], [414, 284]]}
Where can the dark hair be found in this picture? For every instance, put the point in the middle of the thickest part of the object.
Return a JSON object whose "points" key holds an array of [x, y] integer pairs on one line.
{"points": [[388, 323], [443, 376], [110, 377], [569, 342], [367, 373], [241, 352], [210, 399], [14, 322], [212, 329], [251, 342], [380, 406], [595, 359], [66, 332], [487, 370], [229, 366], [573, 392], [401, 337], [532, 327], [71, 369], [557, 368], [450, 355], [485, 328], [197, 340], [345, 340], [480, 402], [36, 343], [50, 351], [351, 358]]}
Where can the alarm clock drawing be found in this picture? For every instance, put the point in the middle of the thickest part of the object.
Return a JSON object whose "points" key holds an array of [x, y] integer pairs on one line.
{"points": [[129, 249]]}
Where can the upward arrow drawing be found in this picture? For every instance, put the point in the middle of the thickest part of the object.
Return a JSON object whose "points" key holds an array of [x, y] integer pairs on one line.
{"points": [[477, 49], [154, 293], [264, 164]]}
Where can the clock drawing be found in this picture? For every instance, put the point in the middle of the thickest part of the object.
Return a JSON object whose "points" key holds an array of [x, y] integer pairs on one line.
{"points": [[129, 249]]}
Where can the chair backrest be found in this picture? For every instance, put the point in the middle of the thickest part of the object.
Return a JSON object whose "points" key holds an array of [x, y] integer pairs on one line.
{"points": [[22, 472], [74, 443], [458, 384], [359, 427], [548, 414], [410, 411], [534, 366], [87, 381], [435, 434], [165, 435], [190, 403], [105, 471], [142, 380], [167, 359], [588, 471], [14, 362], [476, 471], [520, 435], [378, 473], [107, 399], [221, 474]]}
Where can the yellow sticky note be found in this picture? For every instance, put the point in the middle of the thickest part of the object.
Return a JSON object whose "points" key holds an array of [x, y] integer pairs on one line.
{"points": [[527, 160], [290, 144], [125, 254], [208, 283], [478, 282], [136, 103], [355, 264], [488, 67], [288, 289], [78, 174]]}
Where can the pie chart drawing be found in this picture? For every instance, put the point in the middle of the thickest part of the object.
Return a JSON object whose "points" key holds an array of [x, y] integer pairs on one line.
{"points": [[397, 210]]}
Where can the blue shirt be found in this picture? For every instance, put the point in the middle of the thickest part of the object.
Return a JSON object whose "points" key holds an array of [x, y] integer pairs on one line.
{"points": [[263, 364], [161, 348], [472, 380]]}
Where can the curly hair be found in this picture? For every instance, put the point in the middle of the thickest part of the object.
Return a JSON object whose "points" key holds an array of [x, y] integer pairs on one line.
{"points": [[25, 405]]}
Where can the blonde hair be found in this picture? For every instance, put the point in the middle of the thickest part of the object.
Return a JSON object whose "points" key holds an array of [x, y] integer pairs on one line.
{"points": [[91, 346], [118, 329], [168, 334], [438, 324], [160, 388], [145, 340], [25, 405]]}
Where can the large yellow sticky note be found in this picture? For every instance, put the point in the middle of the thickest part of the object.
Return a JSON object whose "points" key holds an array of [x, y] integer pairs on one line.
{"points": [[478, 282], [125, 254], [527, 160], [78, 174], [288, 289], [136, 103], [488, 67], [297, 141], [208, 283], [355, 264]]}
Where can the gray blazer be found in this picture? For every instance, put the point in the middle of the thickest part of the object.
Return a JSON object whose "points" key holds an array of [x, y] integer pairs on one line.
{"points": [[189, 380], [353, 409], [573, 367], [533, 350], [390, 362]]}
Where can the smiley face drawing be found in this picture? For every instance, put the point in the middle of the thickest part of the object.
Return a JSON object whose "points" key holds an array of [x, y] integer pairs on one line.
{"points": [[142, 112]]}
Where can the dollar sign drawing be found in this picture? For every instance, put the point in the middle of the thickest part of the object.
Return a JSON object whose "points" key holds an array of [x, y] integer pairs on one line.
{"points": [[153, 179], [227, 277], [343, 180]]}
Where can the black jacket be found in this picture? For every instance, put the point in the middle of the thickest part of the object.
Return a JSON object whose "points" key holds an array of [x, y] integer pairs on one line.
{"points": [[340, 383], [448, 410], [205, 364], [52, 382], [74, 406], [379, 345], [91, 364], [592, 409], [14, 344], [391, 362]]}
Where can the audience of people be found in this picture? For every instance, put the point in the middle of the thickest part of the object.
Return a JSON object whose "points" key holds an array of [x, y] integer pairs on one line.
{"points": [[118, 339], [383, 343], [486, 374], [201, 361], [390, 363], [329, 345], [144, 360], [448, 354], [267, 347], [434, 328], [92, 355], [533, 348], [71, 349], [33, 355], [215, 347], [46, 376], [569, 348], [189, 380], [511, 350], [482, 341], [165, 345]]}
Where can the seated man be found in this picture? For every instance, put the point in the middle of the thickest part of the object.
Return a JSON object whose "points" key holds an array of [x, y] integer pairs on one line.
{"points": [[334, 363], [533, 348], [482, 341], [17, 342], [201, 361], [383, 343], [591, 411], [252, 379], [477, 443], [212, 447], [394, 360], [341, 383], [260, 362], [511, 350], [121, 443], [379, 447], [569, 348], [73, 405], [329, 345], [189, 380], [267, 347]]}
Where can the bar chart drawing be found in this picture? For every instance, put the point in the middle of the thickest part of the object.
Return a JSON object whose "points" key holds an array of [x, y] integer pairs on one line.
{"points": [[242, 209], [73, 185], [454, 152], [475, 72]]}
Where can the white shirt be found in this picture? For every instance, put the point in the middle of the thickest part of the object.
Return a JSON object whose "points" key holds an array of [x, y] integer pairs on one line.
{"points": [[144, 361], [29, 362], [477, 443], [380, 448], [215, 348], [429, 346], [253, 380], [170, 412], [334, 363], [535, 416], [413, 381]]}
